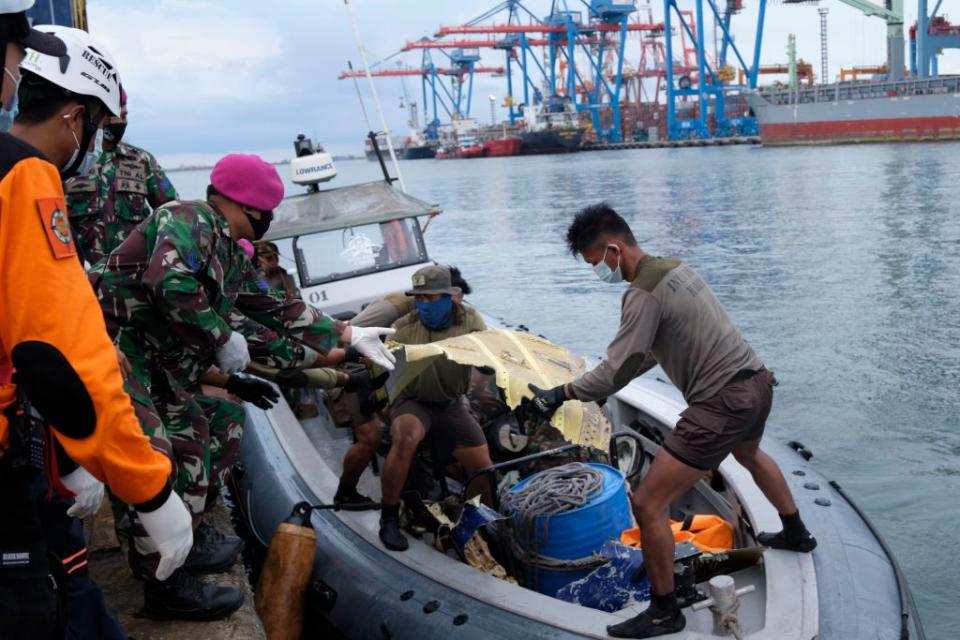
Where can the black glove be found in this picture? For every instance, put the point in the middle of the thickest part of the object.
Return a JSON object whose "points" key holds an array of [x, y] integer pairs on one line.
{"points": [[256, 392], [352, 354], [361, 381], [372, 402], [545, 402]]}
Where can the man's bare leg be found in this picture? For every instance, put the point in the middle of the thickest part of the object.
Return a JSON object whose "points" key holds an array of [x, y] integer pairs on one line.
{"points": [[406, 433], [474, 459], [358, 457], [767, 475], [667, 480]]}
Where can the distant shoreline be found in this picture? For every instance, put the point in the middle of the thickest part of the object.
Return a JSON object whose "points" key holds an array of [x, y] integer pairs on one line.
{"points": [[207, 167]]}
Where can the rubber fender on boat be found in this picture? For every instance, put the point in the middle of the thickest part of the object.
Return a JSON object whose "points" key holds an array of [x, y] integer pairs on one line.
{"points": [[286, 573]]}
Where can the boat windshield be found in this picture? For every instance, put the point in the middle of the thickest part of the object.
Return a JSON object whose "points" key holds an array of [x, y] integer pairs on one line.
{"points": [[353, 251]]}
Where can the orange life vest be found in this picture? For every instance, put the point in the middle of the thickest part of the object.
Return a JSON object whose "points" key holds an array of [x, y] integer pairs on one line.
{"points": [[708, 533]]}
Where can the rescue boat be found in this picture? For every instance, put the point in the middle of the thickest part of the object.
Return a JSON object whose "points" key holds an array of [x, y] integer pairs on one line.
{"points": [[351, 245]]}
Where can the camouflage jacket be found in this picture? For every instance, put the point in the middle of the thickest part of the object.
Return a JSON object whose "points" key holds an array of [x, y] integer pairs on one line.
{"points": [[109, 202], [182, 284]]}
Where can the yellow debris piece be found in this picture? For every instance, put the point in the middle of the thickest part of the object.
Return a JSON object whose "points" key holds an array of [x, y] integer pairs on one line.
{"points": [[519, 359]]}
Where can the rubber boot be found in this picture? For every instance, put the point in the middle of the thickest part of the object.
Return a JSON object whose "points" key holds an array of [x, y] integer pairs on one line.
{"points": [[349, 499], [390, 533], [804, 543], [793, 537], [649, 624], [183, 596], [212, 551]]}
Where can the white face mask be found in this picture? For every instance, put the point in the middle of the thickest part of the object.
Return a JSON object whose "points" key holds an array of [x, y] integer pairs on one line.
{"points": [[7, 116], [605, 273], [89, 158]]}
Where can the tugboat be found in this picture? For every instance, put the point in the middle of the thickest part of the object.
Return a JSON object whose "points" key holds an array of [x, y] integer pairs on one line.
{"points": [[851, 586], [468, 147], [465, 147], [554, 127]]}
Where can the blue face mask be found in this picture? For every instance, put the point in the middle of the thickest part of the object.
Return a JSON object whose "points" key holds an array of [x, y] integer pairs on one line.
{"points": [[436, 315], [604, 272], [7, 116]]}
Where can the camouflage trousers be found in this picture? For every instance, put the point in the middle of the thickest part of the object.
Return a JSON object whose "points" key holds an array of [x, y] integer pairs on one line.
{"points": [[201, 434]]}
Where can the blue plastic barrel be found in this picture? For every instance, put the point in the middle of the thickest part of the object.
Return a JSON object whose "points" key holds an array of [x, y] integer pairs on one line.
{"points": [[579, 533]]}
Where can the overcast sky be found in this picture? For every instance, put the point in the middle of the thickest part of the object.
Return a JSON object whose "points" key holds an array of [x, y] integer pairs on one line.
{"points": [[209, 77]]}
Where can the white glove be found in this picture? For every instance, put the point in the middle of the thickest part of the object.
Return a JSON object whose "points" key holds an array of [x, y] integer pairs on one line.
{"points": [[366, 340], [88, 492], [171, 529], [233, 356]]}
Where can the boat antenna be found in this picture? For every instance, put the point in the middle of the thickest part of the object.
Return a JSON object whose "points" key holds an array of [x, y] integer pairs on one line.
{"points": [[371, 135], [373, 92]]}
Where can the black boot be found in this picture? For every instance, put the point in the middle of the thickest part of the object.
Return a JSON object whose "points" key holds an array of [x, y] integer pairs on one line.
{"points": [[390, 533], [649, 624], [349, 499], [663, 616], [794, 536], [184, 597], [212, 551]]}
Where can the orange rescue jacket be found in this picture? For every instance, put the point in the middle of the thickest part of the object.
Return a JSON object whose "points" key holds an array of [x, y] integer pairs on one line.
{"points": [[707, 532], [52, 330]]}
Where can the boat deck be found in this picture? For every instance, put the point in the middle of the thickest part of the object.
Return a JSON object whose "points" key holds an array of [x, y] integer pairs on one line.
{"points": [[331, 442]]}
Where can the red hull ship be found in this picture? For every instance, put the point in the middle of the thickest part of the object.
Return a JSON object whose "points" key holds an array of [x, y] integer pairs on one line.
{"points": [[501, 147]]}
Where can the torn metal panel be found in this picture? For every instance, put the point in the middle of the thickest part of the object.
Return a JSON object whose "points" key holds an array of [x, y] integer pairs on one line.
{"points": [[518, 359]]}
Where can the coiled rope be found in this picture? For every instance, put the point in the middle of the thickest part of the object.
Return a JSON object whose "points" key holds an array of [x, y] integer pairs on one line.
{"points": [[550, 492]]}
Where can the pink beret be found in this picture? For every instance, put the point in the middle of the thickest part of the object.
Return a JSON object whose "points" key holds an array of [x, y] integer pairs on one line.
{"points": [[247, 247], [249, 180]]}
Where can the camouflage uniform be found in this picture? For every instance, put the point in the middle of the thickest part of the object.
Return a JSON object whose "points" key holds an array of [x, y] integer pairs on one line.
{"points": [[171, 295], [109, 202]]}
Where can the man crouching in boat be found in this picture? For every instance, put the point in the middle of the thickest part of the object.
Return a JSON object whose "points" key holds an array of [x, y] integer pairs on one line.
{"points": [[669, 316], [436, 399], [361, 407]]}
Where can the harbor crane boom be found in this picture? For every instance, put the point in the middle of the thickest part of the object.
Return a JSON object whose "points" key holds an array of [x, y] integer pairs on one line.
{"points": [[892, 13]]}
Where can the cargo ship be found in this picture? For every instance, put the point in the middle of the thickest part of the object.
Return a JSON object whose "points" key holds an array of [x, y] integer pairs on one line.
{"points": [[554, 128], [854, 112], [413, 147]]}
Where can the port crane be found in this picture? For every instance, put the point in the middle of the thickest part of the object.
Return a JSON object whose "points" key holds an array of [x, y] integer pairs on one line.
{"points": [[454, 101], [598, 37]]}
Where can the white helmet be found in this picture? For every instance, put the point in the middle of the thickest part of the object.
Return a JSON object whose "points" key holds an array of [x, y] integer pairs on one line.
{"points": [[87, 68]]}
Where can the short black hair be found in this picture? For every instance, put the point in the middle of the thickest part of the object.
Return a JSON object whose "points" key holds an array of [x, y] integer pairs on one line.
{"points": [[592, 223], [457, 280], [39, 100], [212, 191]]}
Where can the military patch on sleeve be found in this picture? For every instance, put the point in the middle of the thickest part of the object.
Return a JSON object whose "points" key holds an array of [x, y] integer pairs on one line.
{"points": [[53, 215]]}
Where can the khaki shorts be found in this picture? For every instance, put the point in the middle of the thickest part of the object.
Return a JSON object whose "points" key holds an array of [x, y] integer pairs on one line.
{"points": [[454, 427], [708, 431]]}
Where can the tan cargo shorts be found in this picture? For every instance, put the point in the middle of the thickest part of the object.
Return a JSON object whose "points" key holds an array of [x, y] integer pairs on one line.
{"points": [[708, 431]]}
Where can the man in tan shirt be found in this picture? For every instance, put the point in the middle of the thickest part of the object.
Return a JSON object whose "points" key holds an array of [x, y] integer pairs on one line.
{"points": [[435, 401], [361, 407], [670, 316]]}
